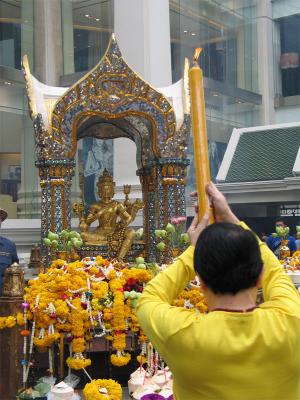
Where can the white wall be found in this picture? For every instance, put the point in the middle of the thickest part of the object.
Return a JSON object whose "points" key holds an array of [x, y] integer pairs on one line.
{"points": [[287, 114], [284, 8], [142, 29], [124, 164]]}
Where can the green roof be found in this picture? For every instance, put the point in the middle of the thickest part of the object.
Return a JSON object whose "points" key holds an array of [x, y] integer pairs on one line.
{"points": [[265, 155]]}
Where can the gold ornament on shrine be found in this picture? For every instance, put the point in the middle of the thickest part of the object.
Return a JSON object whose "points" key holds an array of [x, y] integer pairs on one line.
{"points": [[13, 281], [113, 218]]}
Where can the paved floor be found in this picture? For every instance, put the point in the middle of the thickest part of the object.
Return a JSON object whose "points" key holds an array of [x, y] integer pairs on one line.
{"points": [[125, 394]]}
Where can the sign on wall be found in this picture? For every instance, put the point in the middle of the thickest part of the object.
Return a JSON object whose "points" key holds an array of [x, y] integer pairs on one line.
{"points": [[290, 210]]}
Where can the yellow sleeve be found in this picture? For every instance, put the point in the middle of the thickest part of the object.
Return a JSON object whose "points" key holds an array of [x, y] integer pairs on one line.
{"points": [[158, 318], [278, 289]]}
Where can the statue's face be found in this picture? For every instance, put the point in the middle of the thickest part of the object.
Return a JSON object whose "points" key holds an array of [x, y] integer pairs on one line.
{"points": [[107, 191]]}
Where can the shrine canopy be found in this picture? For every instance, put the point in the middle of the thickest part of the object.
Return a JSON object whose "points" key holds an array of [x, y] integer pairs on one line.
{"points": [[110, 101]]}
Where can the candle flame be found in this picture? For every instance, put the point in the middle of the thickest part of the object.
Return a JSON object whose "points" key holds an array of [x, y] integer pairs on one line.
{"points": [[197, 53]]}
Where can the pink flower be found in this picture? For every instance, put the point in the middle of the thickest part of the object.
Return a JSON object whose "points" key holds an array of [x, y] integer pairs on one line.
{"points": [[181, 219], [174, 220]]}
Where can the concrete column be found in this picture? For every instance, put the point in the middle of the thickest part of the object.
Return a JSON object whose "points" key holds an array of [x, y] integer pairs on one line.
{"points": [[142, 29], [48, 41], [27, 38], [277, 52], [240, 58], [68, 36], [266, 60], [29, 194]]}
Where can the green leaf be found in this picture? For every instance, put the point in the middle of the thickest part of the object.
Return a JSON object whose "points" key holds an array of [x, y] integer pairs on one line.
{"points": [[74, 234], [157, 233], [52, 236], [54, 244], [160, 246], [64, 234], [170, 228], [133, 302], [185, 238], [47, 242], [78, 244], [43, 388]]}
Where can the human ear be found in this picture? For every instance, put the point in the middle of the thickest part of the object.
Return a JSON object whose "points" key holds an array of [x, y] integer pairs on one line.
{"points": [[259, 280]]}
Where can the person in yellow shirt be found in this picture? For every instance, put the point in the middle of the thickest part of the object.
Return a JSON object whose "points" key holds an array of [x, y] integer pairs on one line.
{"points": [[237, 351]]}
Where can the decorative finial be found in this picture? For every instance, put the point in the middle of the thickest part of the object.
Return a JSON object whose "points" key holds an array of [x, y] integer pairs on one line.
{"points": [[105, 179]]}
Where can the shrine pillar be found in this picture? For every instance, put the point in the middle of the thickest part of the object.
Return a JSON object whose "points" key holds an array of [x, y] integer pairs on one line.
{"points": [[163, 186], [56, 182]]}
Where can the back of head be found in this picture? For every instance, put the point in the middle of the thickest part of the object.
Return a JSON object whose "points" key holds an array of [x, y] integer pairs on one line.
{"points": [[227, 258]]}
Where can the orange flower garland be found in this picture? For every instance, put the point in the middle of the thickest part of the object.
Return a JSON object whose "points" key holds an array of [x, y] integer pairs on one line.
{"points": [[192, 299], [7, 322], [118, 323], [85, 298], [102, 389]]}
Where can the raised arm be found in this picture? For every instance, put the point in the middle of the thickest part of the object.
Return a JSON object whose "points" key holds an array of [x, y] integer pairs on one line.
{"points": [[155, 312], [125, 217], [158, 318], [278, 289], [93, 214]]}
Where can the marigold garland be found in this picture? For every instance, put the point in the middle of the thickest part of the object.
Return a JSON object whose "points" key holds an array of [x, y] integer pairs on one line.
{"points": [[78, 345], [47, 340], [110, 388], [7, 322], [78, 363], [192, 299], [119, 360], [88, 297]]}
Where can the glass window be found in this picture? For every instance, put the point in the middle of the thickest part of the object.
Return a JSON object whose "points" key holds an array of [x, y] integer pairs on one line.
{"points": [[16, 32], [87, 27], [289, 57], [19, 186], [227, 33]]}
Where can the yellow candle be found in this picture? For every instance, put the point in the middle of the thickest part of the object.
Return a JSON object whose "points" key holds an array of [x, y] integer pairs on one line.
{"points": [[201, 157]]}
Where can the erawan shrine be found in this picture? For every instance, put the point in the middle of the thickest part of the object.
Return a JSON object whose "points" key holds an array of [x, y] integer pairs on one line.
{"points": [[71, 331], [79, 311]]}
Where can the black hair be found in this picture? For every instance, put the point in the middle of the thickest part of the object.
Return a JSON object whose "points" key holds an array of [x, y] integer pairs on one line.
{"points": [[227, 258]]}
